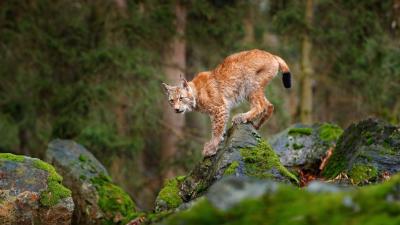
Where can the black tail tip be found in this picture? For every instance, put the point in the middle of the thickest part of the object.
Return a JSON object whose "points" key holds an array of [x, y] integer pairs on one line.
{"points": [[286, 80]]}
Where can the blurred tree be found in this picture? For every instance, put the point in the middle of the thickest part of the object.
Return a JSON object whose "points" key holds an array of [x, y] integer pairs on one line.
{"points": [[307, 68], [174, 69]]}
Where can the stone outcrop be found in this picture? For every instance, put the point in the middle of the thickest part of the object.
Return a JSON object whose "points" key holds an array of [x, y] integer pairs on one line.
{"points": [[98, 200], [31, 192], [368, 152], [243, 154]]}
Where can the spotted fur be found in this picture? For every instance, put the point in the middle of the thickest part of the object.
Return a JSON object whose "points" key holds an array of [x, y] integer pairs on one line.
{"points": [[241, 76]]}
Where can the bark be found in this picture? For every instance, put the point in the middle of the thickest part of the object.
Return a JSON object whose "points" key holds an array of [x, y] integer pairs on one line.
{"points": [[175, 65], [307, 70]]}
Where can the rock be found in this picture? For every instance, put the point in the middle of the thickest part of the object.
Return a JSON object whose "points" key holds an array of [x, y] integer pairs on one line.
{"points": [[31, 193], [98, 200], [232, 190], [368, 152], [269, 202], [302, 146], [242, 154]]}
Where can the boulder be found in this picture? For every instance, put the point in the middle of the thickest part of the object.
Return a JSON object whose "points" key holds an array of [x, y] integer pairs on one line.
{"points": [[98, 200], [239, 200], [368, 152], [242, 154], [31, 192], [303, 146]]}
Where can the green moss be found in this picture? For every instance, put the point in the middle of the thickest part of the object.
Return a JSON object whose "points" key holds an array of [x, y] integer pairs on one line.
{"points": [[335, 166], [83, 158], [170, 193], [53, 175], [288, 205], [329, 132], [12, 157], [55, 190], [231, 168], [360, 173], [260, 159], [301, 131], [113, 201], [297, 146], [387, 150], [157, 217], [370, 141]]}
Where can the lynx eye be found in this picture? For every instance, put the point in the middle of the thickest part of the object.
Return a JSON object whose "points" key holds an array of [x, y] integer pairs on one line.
{"points": [[180, 98], [171, 100]]}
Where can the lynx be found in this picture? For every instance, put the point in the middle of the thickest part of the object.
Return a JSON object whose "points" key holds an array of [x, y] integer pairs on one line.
{"points": [[241, 76]]}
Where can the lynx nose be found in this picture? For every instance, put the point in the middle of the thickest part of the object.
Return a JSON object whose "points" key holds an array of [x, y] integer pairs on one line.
{"points": [[178, 110]]}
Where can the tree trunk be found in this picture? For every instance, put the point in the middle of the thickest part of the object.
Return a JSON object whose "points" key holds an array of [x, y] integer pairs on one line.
{"points": [[307, 70], [175, 65]]}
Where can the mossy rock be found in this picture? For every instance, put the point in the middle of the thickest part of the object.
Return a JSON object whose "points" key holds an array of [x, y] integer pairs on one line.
{"points": [[368, 152], [239, 201], [98, 200], [242, 154], [168, 197], [31, 192], [303, 146]]}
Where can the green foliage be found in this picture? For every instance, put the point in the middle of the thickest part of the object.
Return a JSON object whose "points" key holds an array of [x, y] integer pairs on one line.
{"points": [[293, 206], [329, 132], [87, 73], [114, 202], [262, 158], [355, 48], [8, 132], [300, 131], [209, 29]]}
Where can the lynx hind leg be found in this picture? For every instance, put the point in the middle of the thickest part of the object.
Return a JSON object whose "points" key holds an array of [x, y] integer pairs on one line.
{"points": [[258, 105], [267, 113]]}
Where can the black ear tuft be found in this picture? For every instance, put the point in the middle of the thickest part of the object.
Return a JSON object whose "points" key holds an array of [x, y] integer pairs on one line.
{"points": [[286, 79]]}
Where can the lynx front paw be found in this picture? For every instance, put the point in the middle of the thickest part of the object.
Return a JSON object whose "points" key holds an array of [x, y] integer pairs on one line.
{"points": [[237, 119], [209, 149]]}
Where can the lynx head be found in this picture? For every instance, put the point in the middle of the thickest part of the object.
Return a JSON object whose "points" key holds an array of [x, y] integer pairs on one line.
{"points": [[181, 98]]}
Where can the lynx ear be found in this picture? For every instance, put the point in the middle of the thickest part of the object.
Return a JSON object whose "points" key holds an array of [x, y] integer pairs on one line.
{"points": [[166, 87], [184, 82]]}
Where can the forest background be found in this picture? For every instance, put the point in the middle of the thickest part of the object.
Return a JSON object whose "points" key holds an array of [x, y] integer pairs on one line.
{"points": [[91, 71]]}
